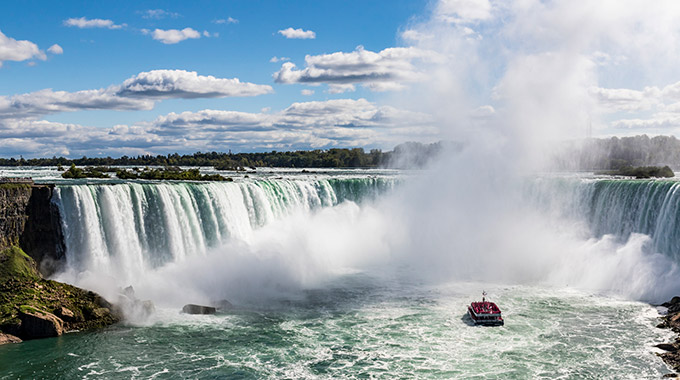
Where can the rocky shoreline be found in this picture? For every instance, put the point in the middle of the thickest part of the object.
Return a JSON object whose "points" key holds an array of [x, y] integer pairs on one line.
{"points": [[671, 320], [32, 307]]}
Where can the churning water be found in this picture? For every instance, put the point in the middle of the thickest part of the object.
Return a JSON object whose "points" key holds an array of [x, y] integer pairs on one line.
{"points": [[315, 265]]}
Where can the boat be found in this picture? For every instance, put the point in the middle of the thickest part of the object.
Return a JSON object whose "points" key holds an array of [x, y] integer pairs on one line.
{"points": [[485, 313]]}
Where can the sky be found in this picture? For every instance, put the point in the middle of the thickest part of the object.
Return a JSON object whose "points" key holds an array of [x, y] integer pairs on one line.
{"points": [[157, 77]]}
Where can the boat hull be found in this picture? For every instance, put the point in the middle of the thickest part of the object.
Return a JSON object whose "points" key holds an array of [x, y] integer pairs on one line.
{"points": [[485, 319]]}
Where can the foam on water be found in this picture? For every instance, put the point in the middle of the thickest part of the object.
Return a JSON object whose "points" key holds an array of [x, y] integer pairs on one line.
{"points": [[364, 327]]}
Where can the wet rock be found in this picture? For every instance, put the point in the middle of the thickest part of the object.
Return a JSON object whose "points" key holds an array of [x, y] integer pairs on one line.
{"points": [[670, 375], [65, 314], [7, 338], [666, 347], [198, 309], [39, 324], [101, 312], [133, 308]]}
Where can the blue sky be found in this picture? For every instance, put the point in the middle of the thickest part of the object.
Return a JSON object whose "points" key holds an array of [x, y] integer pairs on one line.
{"points": [[104, 78]]}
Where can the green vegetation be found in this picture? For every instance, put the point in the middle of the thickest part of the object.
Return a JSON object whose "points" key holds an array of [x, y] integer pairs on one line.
{"points": [[169, 173], [89, 172], [16, 264], [330, 158], [22, 288], [14, 186], [642, 172]]}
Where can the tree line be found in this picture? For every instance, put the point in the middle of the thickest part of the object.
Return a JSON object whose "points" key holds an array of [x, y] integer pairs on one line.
{"points": [[616, 153], [330, 158]]}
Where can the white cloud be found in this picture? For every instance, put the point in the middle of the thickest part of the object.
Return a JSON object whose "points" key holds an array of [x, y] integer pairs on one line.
{"points": [[187, 84], [92, 23], [297, 33], [464, 10], [229, 20], [334, 123], [340, 88], [415, 36], [13, 50], [158, 14], [136, 93], [380, 71], [55, 49], [173, 36], [275, 59], [307, 92]]}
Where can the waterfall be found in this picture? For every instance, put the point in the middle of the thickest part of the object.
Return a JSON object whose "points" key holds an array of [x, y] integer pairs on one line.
{"points": [[131, 227], [616, 207]]}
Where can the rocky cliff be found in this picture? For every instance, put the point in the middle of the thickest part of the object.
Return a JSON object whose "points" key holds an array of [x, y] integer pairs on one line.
{"points": [[29, 219], [32, 307]]}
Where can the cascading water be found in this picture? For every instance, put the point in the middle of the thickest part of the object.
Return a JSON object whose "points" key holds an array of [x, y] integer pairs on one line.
{"points": [[126, 229], [616, 207], [256, 242]]}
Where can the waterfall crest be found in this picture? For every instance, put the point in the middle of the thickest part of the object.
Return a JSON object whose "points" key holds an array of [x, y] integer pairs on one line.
{"points": [[131, 227]]}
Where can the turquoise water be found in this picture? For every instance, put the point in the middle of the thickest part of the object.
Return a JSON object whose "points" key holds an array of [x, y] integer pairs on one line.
{"points": [[313, 263], [358, 328]]}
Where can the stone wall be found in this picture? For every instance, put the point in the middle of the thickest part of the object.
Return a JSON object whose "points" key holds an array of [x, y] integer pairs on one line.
{"points": [[28, 218]]}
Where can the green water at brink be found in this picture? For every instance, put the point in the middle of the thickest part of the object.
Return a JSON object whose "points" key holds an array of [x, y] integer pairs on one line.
{"points": [[363, 328]]}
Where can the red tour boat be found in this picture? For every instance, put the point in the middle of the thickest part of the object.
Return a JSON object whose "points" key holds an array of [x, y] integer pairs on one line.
{"points": [[485, 313]]}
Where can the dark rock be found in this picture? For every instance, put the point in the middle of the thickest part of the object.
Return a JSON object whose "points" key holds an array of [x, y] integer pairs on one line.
{"points": [[129, 292], [670, 375], [101, 312], [666, 347], [673, 321], [674, 308], [7, 338], [65, 314], [39, 324], [29, 218], [672, 359], [198, 309]]}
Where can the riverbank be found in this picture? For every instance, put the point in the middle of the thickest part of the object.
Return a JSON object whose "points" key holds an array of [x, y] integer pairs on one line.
{"points": [[32, 307], [671, 321]]}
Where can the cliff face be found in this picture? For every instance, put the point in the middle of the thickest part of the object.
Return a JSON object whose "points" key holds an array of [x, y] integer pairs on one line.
{"points": [[30, 220]]}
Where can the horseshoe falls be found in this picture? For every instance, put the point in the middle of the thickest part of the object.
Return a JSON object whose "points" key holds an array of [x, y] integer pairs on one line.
{"points": [[131, 228], [350, 276]]}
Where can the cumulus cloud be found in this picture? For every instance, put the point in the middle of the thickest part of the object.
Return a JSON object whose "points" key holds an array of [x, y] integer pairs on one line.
{"points": [[13, 50], [187, 84], [380, 71], [297, 33], [333, 123], [83, 23], [307, 92], [173, 36], [340, 122], [334, 88], [139, 92], [55, 49], [276, 59]]}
